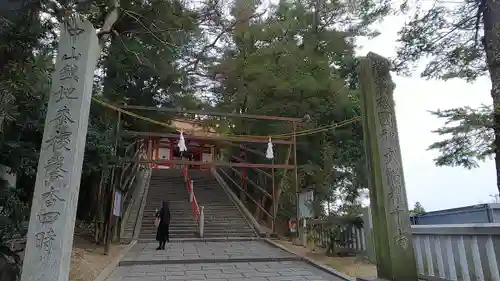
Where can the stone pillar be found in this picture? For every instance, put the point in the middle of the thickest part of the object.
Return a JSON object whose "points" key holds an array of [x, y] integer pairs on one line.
{"points": [[368, 232], [52, 221], [385, 179]]}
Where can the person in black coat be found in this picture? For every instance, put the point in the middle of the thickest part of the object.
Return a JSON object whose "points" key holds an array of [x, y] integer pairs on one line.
{"points": [[162, 232]]}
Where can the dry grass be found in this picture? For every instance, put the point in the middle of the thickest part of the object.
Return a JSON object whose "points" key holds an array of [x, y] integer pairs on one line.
{"points": [[352, 266], [88, 259]]}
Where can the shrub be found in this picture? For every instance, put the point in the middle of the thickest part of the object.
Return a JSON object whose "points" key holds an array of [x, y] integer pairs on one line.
{"points": [[13, 214]]}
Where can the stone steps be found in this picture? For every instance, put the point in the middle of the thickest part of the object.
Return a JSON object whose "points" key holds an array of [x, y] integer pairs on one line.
{"points": [[174, 229], [168, 185], [222, 217], [194, 234], [188, 218]]}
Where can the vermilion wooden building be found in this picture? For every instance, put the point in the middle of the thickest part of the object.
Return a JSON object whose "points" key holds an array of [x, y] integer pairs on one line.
{"points": [[165, 148]]}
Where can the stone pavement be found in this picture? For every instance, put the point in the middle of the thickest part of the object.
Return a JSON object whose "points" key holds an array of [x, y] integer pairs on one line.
{"points": [[215, 261], [203, 252]]}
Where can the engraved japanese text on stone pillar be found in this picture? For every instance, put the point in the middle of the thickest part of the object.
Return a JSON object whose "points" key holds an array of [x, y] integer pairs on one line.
{"points": [[51, 228]]}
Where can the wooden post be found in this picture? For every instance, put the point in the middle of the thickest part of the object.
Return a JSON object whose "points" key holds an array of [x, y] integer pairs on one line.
{"points": [[100, 210], [157, 151], [150, 152], [391, 221], [212, 152], [274, 201], [114, 181], [191, 192], [202, 221], [296, 174]]}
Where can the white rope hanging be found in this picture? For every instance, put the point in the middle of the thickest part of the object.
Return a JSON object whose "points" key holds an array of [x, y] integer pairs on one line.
{"points": [[182, 143], [269, 152]]}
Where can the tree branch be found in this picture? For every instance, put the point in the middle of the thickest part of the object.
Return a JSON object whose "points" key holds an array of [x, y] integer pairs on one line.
{"points": [[225, 30], [478, 21], [110, 20]]}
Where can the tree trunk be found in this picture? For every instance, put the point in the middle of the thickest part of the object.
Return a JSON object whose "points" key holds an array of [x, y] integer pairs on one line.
{"points": [[280, 184], [99, 215], [491, 42]]}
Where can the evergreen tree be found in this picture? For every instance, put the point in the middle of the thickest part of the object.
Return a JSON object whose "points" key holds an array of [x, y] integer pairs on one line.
{"points": [[418, 208], [295, 61], [462, 40]]}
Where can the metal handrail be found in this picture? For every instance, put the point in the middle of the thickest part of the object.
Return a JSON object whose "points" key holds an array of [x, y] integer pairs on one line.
{"points": [[197, 211], [192, 197]]}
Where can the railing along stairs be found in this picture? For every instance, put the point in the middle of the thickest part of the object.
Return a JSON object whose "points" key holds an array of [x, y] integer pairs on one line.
{"points": [[196, 210], [126, 175], [256, 188]]}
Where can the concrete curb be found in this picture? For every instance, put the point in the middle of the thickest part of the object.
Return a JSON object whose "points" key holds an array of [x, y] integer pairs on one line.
{"points": [[128, 209], [214, 260], [106, 271], [126, 214], [138, 223], [321, 267]]}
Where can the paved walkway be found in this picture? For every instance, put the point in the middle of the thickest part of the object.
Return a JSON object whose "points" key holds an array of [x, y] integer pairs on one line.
{"points": [[215, 261]]}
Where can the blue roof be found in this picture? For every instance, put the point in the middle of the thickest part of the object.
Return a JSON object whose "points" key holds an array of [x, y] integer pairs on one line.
{"points": [[466, 208]]}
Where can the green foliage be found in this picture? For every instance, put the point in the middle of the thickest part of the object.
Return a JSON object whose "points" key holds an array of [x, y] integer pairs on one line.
{"points": [[461, 41], [13, 213], [297, 60], [450, 36], [140, 66], [340, 234], [418, 209], [469, 136], [99, 146], [25, 59], [293, 62]]}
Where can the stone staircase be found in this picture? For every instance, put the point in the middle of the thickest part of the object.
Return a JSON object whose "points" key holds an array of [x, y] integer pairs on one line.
{"points": [[168, 184], [222, 218]]}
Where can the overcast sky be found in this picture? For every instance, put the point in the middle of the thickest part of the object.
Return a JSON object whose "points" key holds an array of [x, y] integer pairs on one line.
{"points": [[435, 187]]}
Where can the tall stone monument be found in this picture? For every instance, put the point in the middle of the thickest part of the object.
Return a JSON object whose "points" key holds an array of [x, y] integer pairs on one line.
{"points": [[55, 199], [391, 221]]}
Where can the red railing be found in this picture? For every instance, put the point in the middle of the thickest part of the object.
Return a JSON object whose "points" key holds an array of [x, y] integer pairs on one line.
{"points": [[195, 209]]}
